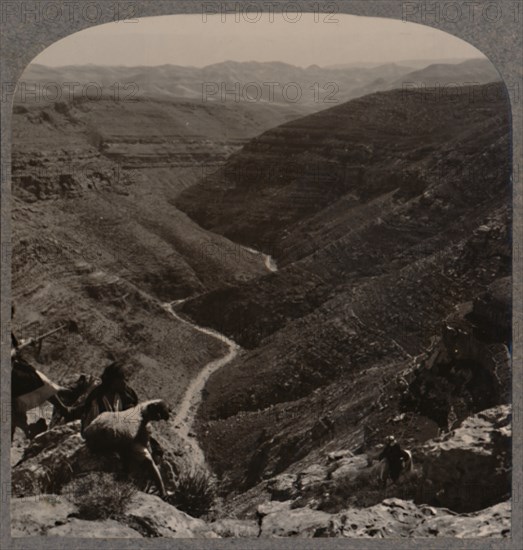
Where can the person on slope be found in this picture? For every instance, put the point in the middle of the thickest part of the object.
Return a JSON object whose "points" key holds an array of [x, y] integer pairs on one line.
{"points": [[393, 460], [115, 394]]}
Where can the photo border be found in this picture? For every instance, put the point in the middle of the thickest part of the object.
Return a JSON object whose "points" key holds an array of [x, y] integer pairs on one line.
{"points": [[499, 40]]}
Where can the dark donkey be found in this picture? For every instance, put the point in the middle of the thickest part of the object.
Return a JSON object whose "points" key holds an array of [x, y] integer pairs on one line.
{"points": [[31, 388]]}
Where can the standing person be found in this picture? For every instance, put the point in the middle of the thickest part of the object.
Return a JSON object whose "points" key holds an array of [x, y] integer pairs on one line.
{"points": [[394, 460], [113, 394]]}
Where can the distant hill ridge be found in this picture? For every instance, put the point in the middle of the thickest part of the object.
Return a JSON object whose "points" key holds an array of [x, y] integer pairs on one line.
{"points": [[233, 81]]}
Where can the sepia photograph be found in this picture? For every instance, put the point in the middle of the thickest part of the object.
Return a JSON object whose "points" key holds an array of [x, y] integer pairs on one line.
{"points": [[261, 279]]}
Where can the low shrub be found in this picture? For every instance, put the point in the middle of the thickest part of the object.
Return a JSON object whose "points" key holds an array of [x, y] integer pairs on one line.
{"points": [[195, 493], [99, 495]]}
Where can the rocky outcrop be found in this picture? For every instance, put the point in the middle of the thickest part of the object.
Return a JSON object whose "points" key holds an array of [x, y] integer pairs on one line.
{"points": [[146, 516], [108, 528], [154, 517], [493, 309], [459, 489], [55, 515], [391, 518], [279, 520], [58, 456], [491, 522], [465, 470], [468, 368], [236, 528], [469, 468], [36, 515], [283, 487], [348, 468], [53, 459]]}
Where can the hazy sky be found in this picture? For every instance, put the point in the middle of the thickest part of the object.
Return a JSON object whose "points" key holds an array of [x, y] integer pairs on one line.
{"points": [[188, 40]]}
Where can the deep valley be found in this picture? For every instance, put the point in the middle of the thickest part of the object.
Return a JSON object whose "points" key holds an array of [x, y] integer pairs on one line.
{"points": [[331, 246]]}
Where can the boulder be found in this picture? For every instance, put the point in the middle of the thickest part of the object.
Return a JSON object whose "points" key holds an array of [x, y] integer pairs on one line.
{"points": [[349, 468], [301, 522], [491, 522], [53, 459], [236, 528], [393, 517], [336, 455], [146, 515], [273, 507], [469, 468], [34, 516], [283, 487], [107, 528], [311, 476], [400, 518], [157, 518]]}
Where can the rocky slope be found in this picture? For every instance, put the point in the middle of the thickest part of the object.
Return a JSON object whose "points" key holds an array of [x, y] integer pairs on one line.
{"points": [[316, 502], [363, 157], [96, 238], [369, 267], [148, 516]]}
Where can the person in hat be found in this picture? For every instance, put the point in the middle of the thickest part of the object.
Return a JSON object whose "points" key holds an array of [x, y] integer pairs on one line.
{"points": [[113, 394], [394, 460]]}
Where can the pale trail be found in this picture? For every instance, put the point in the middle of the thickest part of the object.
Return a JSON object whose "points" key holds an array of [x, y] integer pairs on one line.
{"points": [[269, 261], [184, 420], [186, 413]]}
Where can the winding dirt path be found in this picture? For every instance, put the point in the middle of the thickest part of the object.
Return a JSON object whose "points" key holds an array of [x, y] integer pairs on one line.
{"points": [[185, 416], [183, 422]]}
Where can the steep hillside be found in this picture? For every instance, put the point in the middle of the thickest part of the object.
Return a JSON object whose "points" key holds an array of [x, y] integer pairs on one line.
{"points": [[377, 184], [370, 265], [111, 170], [390, 142], [97, 239]]}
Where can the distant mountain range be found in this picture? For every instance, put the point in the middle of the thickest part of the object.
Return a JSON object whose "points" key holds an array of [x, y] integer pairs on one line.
{"points": [[312, 88], [414, 63]]}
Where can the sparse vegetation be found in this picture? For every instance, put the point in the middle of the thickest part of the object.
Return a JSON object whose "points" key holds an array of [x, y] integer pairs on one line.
{"points": [[99, 495], [195, 493]]}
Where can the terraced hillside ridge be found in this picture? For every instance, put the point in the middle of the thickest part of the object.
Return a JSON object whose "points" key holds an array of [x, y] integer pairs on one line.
{"points": [[97, 239], [401, 142], [370, 264], [413, 178]]}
